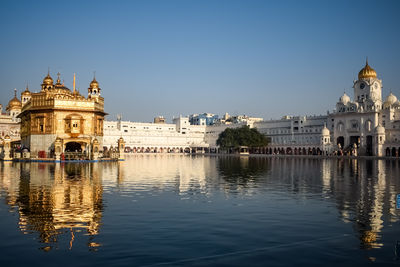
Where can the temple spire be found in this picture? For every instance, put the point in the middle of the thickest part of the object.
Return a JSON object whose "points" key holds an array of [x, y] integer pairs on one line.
{"points": [[74, 83]]}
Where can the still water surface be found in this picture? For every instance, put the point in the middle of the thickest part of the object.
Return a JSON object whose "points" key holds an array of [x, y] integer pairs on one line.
{"points": [[161, 210]]}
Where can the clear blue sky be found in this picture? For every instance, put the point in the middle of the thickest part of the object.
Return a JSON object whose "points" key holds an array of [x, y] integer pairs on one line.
{"points": [[259, 58]]}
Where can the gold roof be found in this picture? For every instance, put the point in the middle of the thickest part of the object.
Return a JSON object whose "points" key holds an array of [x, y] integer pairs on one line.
{"points": [[14, 103], [94, 83], [26, 92], [48, 80], [367, 72]]}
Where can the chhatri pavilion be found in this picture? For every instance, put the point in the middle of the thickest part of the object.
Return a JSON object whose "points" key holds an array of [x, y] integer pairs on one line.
{"points": [[57, 121]]}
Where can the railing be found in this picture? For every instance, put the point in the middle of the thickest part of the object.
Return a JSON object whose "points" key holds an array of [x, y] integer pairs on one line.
{"points": [[75, 156]]}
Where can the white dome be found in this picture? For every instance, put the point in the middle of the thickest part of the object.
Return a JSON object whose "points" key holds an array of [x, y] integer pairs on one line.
{"points": [[325, 131], [344, 99], [391, 99]]}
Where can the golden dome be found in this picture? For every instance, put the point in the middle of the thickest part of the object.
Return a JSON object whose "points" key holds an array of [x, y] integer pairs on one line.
{"points": [[366, 72], [14, 103], [26, 92], [94, 84], [48, 80]]}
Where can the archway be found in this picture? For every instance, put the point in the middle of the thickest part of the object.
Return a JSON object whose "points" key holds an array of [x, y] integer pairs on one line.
{"points": [[340, 141], [369, 145], [387, 152], [73, 147], [393, 152]]}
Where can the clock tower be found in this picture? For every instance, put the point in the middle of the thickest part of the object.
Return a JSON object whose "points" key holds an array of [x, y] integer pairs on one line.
{"points": [[368, 88]]}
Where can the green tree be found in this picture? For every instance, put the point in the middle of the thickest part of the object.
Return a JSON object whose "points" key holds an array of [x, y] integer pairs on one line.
{"points": [[243, 136]]}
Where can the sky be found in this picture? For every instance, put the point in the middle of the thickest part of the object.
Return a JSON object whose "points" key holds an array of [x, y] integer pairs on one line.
{"points": [[170, 58]]}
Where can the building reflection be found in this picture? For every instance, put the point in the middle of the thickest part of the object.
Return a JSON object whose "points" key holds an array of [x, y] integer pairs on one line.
{"points": [[61, 200], [54, 200], [365, 192], [151, 172]]}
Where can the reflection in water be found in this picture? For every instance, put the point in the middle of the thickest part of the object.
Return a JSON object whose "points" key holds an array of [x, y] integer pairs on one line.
{"points": [[55, 200]]}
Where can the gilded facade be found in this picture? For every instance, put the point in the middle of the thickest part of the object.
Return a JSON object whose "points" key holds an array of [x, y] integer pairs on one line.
{"points": [[58, 120]]}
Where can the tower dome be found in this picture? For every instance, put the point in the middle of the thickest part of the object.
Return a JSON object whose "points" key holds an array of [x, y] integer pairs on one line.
{"points": [[26, 92], [344, 99], [48, 80], [94, 84], [14, 103], [325, 131], [367, 72]]}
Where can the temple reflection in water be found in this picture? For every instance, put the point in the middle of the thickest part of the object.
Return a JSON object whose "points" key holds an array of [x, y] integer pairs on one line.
{"points": [[63, 199], [55, 199]]}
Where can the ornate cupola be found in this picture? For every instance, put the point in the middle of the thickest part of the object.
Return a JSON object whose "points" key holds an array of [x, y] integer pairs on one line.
{"points": [[25, 96], [368, 88], [14, 107], [367, 72], [94, 89], [47, 82]]}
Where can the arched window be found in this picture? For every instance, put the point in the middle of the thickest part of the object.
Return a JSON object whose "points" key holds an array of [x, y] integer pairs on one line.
{"points": [[368, 125]]}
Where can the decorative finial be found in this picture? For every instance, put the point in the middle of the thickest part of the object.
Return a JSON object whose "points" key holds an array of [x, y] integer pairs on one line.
{"points": [[94, 75], [58, 78], [74, 83], [15, 92], [27, 87], [48, 71], [366, 62]]}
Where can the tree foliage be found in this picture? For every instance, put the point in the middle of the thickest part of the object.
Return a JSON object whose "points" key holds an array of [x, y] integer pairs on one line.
{"points": [[243, 136]]}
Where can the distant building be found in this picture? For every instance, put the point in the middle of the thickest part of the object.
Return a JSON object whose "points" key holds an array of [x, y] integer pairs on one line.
{"points": [[296, 135], [159, 119], [203, 119], [228, 119], [177, 137], [9, 121], [363, 126]]}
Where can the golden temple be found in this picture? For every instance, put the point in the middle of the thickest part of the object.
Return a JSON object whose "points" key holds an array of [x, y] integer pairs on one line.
{"points": [[57, 121]]}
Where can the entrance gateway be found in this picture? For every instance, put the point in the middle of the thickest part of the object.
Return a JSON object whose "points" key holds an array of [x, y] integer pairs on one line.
{"points": [[73, 147]]}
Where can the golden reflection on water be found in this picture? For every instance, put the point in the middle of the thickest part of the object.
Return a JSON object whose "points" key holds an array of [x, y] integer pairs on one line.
{"points": [[63, 200], [53, 199]]}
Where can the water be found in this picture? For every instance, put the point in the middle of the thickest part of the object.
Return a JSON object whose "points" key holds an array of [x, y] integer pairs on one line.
{"points": [[174, 210]]}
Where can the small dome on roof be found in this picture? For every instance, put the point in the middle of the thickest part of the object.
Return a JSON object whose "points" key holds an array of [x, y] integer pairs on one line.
{"points": [[344, 99], [48, 80], [14, 103], [325, 131], [94, 84]]}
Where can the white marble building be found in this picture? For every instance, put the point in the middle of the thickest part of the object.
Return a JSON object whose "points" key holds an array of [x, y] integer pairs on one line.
{"points": [[367, 122], [366, 125], [299, 135], [178, 136]]}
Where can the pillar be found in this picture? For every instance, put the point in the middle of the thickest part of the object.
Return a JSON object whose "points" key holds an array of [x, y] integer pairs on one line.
{"points": [[58, 148], [95, 150], [6, 148], [121, 148]]}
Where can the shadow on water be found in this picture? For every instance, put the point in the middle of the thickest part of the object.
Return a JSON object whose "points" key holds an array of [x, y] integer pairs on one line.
{"points": [[243, 169]]}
